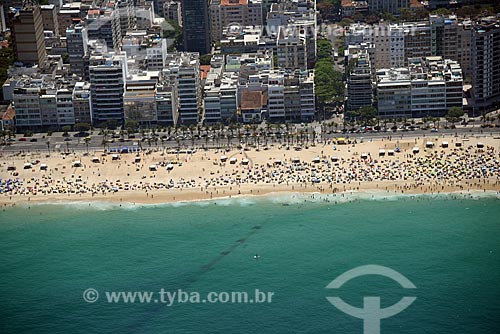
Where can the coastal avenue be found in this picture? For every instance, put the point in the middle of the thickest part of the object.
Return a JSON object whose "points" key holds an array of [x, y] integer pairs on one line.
{"points": [[60, 143]]}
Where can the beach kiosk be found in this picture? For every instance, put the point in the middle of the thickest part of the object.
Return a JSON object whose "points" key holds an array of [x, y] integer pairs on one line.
{"points": [[444, 144], [277, 162], [480, 145], [77, 163], [223, 158], [335, 159], [245, 161], [43, 166], [27, 165], [316, 160], [458, 144], [341, 141], [152, 168], [232, 161], [415, 150], [429, 144], [170, 167], [115, 157], [364, 156], [96, 160], [137, 159], [390, 152], [381, 153], [295, 160]]}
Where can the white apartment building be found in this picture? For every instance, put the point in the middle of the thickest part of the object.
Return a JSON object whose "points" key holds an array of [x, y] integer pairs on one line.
{"points": [[184, 71], [291, 49], [156, 55], [81, 103], [27, 106], [427, 87], [276, 94], [65, 112]]}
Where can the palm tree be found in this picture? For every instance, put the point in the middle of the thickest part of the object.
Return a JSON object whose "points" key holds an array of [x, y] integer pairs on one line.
{"points": [[104, 143], [87, 141]]}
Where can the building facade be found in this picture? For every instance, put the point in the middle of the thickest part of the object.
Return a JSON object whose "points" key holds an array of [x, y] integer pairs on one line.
{"points": [[196, 26], [28, 37], [486, 64]]}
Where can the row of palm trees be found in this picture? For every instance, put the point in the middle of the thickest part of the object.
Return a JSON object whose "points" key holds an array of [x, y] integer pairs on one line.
{"points": [[248, 134]]}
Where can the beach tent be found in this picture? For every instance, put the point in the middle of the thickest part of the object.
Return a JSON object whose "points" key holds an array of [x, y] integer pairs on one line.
{"points": [[316, 160], [223, 158], [416, 150], [335, 159], [152, 168], [27, 165], [245, 161], [390, 152], [480, 145], [341, 141], [232, 161], [364, 155], [96, 159], [295, 160], [43, 166], [115, 157], [137, 159], [429, 144], [277, 162], [77, 163], [444, 144], [458, 144], [381, 153], [170, 167]]}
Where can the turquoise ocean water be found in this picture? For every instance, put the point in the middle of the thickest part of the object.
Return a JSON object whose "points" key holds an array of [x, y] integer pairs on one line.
{"points": [[449, 248]]}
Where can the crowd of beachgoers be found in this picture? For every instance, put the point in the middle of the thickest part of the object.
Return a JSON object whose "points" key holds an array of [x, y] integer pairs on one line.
{"points": [[434, 166]]}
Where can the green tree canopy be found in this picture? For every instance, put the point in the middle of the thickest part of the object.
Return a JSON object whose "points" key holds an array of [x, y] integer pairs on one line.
{"points": [[454, 113], [82, 127]]}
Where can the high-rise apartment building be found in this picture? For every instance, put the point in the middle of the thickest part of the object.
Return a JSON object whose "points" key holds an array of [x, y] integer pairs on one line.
{"points": [[76, 41], [49, 18], [486, 64], [183, 71], [241, 12], [389, 6], [81, 102], [107, 82], [28, 37], [359, 82], [104, 26], [196, 26]]}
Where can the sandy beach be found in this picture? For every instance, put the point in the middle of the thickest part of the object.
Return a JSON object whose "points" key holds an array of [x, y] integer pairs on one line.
{"points": [[158, 175]]}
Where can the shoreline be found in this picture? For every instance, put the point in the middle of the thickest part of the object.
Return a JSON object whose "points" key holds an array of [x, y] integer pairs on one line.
{"points": [[275, 195]]}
